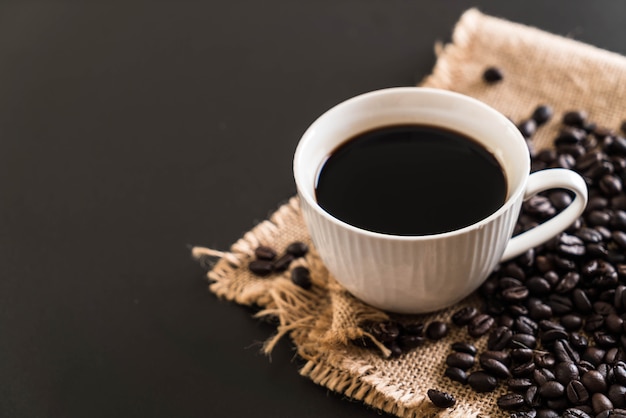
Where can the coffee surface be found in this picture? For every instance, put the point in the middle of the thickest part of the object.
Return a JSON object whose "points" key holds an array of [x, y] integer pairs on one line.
{"points": [[410, 180]]}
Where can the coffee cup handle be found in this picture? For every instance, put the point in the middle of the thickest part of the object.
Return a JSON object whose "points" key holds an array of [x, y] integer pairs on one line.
{"points": [[555, 178]]}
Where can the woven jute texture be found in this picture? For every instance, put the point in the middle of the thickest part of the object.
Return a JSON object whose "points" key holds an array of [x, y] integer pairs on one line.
{"points": [[539, 68]]}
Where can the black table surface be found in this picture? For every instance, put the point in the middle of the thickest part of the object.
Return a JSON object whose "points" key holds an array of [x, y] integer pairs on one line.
{"points": [[130, 130]]}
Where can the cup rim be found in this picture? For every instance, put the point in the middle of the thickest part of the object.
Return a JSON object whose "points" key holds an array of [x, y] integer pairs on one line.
{"points": [[514, 196]]}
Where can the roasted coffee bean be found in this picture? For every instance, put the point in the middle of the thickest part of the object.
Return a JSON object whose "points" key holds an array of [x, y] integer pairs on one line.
{"points": [[522, 355], [575, 413], [515, 294], [560, 199], [526, 325], [531, 413], [413, 328], [519, 384], [543, 375], [523, 341], [460, 360], [544, 359], [506, 282], [571, 322], [551, 276], [495, 368], [551, 389], [492, 75], [600, 403], [584, 366], [540, 311], [282, 263], [597, 250], [394, 349], [499, 338], [264, 252], [612, 413], [610, 184], [618, 220], [581, 301], [589, 160], [538, 286], [456, 374], [604, 231], [479, 325], [619, 372], [503, 357], [463, 347], [564, 352], [385, 331], [598, 218], [567, 283], [604, 308], [577, 393], [464, 315], [523, 370], [606, 370], [558, 404], [441, 399], [514, 271], [549, 337], [542, 114], [619, 202], [613, 355], [532, 397], [560, 305], [301, 276], [261, 267], [539, 205], [547, 325], [547, 413], [575, 118], [578, 341], [565, 371], [619, 237], [482, 382], [495, 307], [594, 322], [527, 128], [604, 340], [410, 341], [594, 381], [617, 395], [511, 402], [517, 310], [618, 145], [297, 249], [589, 235], [593, 355], [436, 330]]}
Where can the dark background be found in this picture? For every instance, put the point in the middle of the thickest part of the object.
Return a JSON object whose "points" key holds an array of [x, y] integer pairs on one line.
{"points": [[129, 130]]}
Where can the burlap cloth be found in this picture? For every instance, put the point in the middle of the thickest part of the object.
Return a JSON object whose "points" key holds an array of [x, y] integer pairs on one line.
{"points": [[539, 68]]}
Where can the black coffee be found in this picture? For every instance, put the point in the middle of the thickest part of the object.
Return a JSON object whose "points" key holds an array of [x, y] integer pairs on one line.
{"points": [[410, 180]]}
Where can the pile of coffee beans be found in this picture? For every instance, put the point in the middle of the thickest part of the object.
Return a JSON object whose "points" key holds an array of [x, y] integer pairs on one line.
{"points": [[554, 317], [401, 337], [267, 262]]}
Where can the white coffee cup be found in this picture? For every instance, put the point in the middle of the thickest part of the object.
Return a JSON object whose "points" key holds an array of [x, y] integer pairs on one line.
{"points": [[415, 274]]}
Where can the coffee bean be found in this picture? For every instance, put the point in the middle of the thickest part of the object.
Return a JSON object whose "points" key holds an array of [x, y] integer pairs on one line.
{"points": [[617, 395], [492, 75], [564, 352], [560, 305], [517, 309], [610, 184], [589, 235], [613, 355], [544, 359], [531, 413], [578, 342], [479, 325], [549, 337], [618, 220], [603, 308], [593, 355], [613, 413], [394, 349], [464, 315], [263, 252], [523, 370], [594, 322], [575, 118], [410, 341], [531, 396], [594, 381], [519, 384], [482, 382], [463, 347], [283, 262], [619, 372], [604, 340], [600, 403], [584, 366], [581, 301], [538, 286], [301, 276], [575, 413], [547, 413], [522, 355], [540, 311], [598, 218], [551, 389], [527, 127], [568, 282], [619, 237], [441, 399], [456, 374], [413, 328], [542, 114], [577, 393], [495, 368], [503, 357], [547, 325], [386, 331], [572, 322], [297, 249], [460, 360], [565, 371], [525, 325], [511, 402], [499, 338], [560, 199], [436, 330], [261, 267], [542, 375]]}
